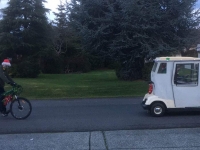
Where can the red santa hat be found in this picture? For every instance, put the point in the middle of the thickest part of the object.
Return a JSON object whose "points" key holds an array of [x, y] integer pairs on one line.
{"points": [[6, 62]]}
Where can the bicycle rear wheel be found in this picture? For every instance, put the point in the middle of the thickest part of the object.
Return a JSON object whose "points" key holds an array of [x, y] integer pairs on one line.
{"points": [[20, 108]]}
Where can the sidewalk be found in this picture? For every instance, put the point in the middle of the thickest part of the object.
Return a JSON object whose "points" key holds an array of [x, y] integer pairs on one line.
{"points": [[164, 139]]}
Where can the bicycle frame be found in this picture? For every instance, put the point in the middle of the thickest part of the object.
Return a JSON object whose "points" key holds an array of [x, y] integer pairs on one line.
{"points": [[20, 107], [10, 95]]}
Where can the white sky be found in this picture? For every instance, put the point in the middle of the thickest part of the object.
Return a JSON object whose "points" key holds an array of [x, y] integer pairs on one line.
{"points": [[51, 4], [198, 4]]}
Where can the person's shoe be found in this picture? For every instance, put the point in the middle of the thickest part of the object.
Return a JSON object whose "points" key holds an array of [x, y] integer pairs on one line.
{"points": [[4, 114]]}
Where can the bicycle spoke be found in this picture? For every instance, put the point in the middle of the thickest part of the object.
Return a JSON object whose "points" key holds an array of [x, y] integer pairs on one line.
{"points": [[21, 108]]}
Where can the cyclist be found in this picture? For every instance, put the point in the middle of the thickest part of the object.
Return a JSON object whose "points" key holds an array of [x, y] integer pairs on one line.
{"points": [[4, 78]]}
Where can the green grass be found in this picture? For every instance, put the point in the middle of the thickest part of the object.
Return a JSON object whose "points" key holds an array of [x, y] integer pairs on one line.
{"points": [[85, 85]]}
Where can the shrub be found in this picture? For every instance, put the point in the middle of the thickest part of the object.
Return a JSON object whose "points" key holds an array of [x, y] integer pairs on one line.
{"points": [[130, 70], [77, 64], [26, 69], [128, 74], [146, 71], [96, 62], [52, 65]]}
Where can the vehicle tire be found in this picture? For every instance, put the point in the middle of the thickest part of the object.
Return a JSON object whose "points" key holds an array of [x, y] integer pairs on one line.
{"points": [[20, 108], [158, 109]]}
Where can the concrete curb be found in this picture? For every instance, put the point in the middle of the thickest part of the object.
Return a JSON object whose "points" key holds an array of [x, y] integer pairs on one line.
{"points": [[172, 139]]}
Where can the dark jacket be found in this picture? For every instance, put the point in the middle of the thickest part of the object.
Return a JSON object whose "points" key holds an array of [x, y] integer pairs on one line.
{"points": [[4, 78]]}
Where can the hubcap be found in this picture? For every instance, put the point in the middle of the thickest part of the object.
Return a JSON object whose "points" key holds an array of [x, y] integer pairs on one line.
{"points": [[157, 110]]}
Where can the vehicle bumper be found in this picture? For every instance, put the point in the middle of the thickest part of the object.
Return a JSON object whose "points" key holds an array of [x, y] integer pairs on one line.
{"points": [[144, 106]]}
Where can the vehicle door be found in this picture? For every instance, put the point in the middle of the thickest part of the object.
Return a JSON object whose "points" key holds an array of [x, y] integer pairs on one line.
{"points": [[185, 83]]}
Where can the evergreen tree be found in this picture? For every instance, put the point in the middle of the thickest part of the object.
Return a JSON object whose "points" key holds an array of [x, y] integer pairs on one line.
{"points": [[61, 26], [67, 42], [150, 29], [23, 30], [130, 30], [96, 23], [52, 58]]}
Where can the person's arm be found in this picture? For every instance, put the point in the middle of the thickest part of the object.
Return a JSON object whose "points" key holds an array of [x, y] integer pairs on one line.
{"points": [[9, 78], [3, 77]]}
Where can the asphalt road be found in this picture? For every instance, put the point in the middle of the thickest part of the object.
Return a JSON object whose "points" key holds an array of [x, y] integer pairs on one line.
{"points": [[82, 115]]}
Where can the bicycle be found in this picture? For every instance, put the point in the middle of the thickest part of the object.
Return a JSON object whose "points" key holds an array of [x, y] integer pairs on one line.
{"points": [[20, 107]]}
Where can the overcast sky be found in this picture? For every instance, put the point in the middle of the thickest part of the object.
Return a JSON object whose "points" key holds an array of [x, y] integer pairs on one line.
{"points": [[53, 4], [198, 4]]}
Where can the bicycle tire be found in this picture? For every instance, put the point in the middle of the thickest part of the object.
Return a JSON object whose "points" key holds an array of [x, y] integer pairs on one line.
{"points": [[20, 108]]}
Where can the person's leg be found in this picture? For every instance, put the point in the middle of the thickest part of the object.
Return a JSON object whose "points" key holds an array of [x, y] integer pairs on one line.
{"points": [[2, 106]]}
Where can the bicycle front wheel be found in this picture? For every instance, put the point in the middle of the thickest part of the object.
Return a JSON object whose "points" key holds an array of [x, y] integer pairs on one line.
{"points": [[20, 108]]}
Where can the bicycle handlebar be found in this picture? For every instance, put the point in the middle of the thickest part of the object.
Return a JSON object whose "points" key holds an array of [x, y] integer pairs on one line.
{"points": [[16, 90]]}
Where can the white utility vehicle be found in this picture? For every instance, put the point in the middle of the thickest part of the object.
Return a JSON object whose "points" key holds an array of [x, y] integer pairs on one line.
{"points": [[174, 84]]}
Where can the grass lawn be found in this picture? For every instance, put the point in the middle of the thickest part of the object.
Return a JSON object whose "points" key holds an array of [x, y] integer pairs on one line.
{"points": [[84, 85]]}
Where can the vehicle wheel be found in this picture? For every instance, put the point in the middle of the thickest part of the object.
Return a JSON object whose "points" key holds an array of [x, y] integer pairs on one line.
{"points": [[20, 108], [158, 109]]}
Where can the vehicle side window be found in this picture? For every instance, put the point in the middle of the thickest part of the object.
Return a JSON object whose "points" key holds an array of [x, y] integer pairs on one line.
{"points": [[162, 68], [186, 74], [154, 67]]}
